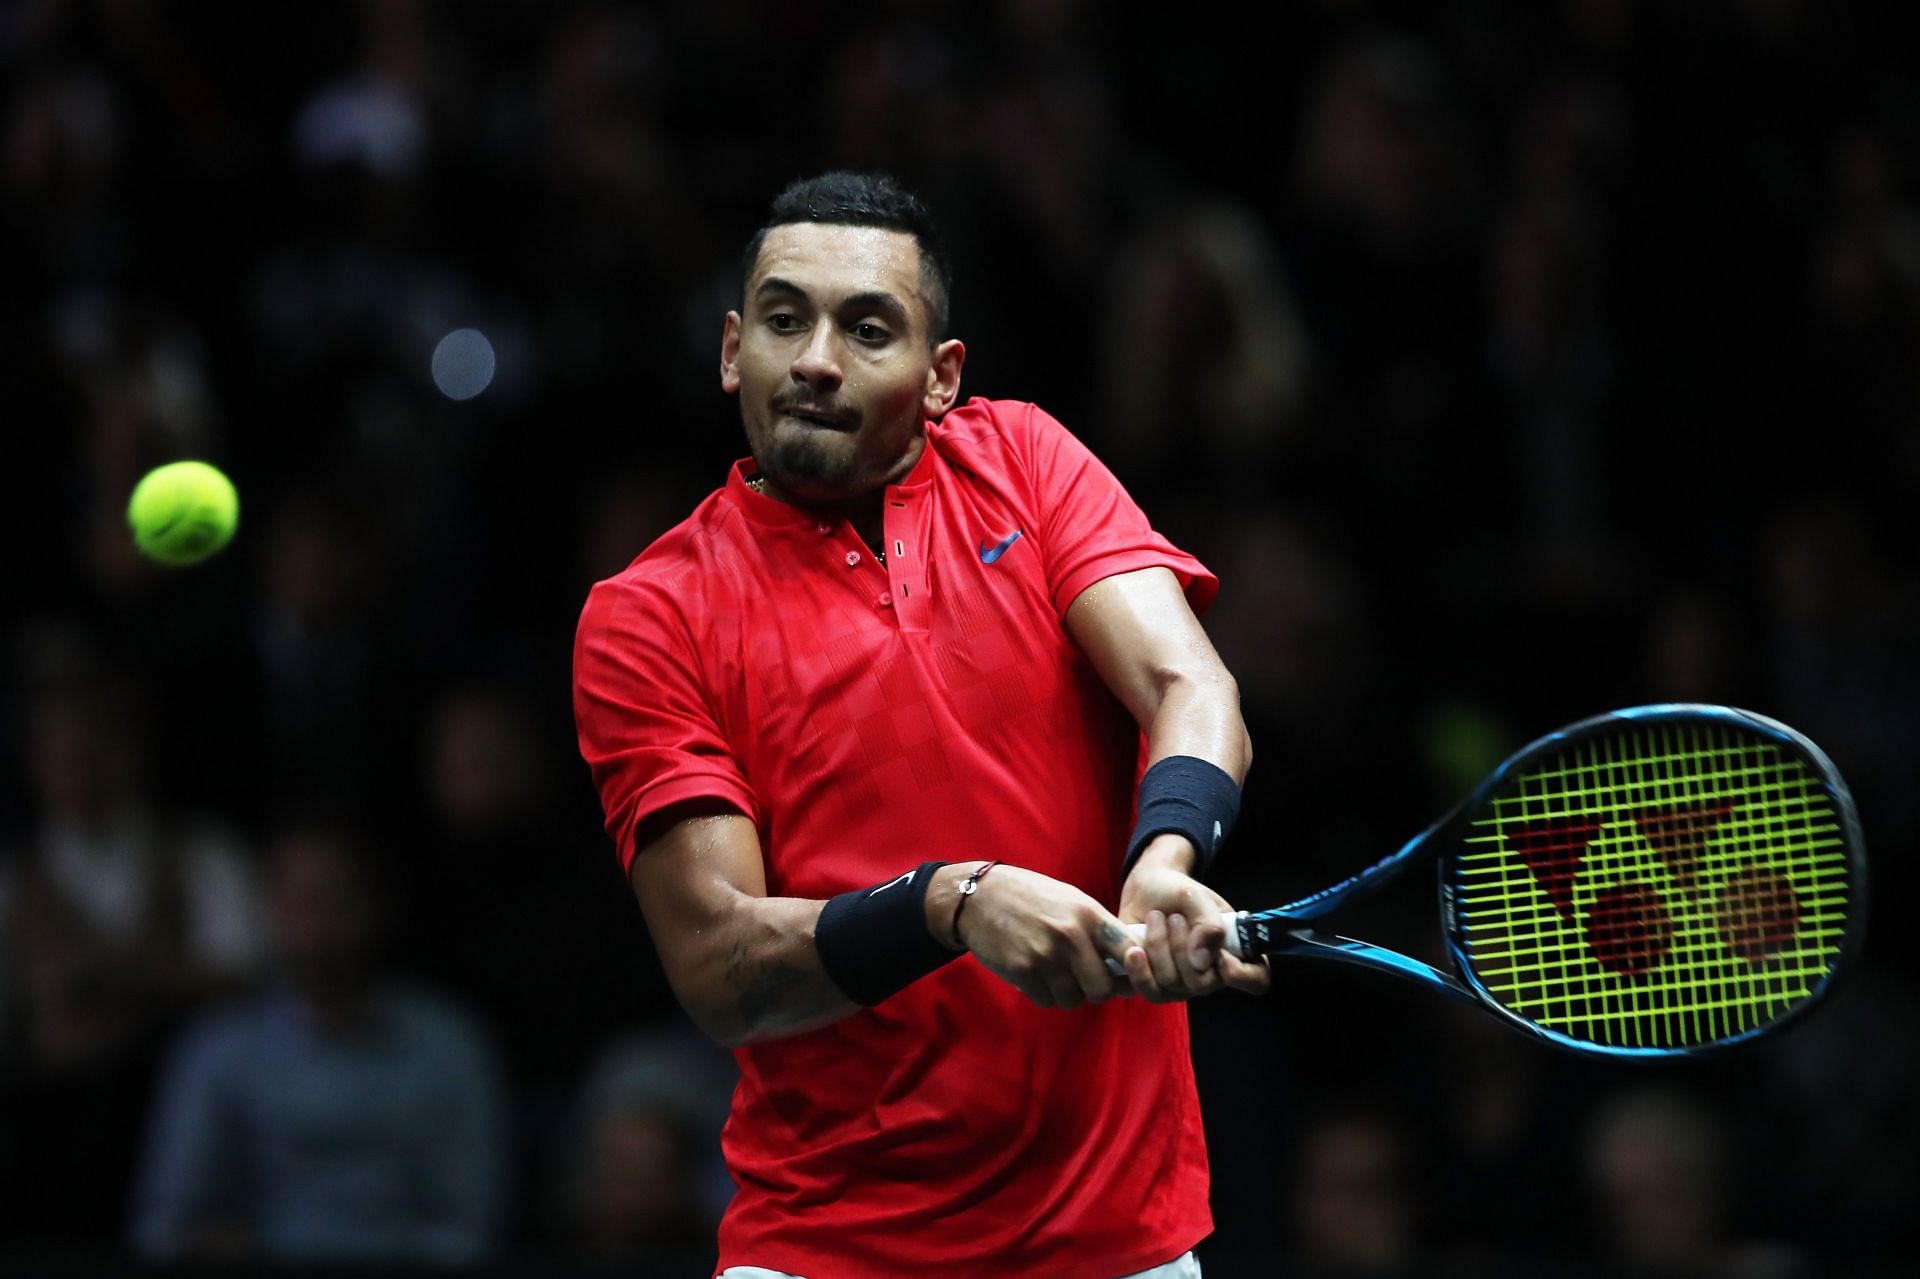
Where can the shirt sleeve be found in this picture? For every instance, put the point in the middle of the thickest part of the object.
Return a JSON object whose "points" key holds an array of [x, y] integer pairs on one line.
{"points": [[644, 715], [1090, 527]]}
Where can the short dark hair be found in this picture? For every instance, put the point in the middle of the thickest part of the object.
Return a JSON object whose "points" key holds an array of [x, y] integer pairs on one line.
{"points": [[866, 199]]}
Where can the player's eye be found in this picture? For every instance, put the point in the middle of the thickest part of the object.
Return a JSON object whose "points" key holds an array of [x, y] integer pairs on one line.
{"points": [[867, 332], [784, 322]]}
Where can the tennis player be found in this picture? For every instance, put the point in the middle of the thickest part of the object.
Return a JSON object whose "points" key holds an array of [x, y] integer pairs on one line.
{"points": [[868, 727]]}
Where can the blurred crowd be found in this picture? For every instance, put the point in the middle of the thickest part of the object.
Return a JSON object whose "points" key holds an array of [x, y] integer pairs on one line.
{"points": [[1508, 362]]}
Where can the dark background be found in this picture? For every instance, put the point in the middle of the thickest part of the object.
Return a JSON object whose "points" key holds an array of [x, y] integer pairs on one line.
{"points": [[1508, 362]]}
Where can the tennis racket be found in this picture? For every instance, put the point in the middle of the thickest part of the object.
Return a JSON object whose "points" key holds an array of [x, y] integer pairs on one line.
{"points": [[1656, 882]]}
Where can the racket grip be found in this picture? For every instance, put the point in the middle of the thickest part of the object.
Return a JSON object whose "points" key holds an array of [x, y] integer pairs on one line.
{"points": [[1229, 919]]}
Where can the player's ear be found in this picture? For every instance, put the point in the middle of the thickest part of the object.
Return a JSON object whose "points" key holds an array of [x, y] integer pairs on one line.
{"points": [[943, 377], [730, 354]]}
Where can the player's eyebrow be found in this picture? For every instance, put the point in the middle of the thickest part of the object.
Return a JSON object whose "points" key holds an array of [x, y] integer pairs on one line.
{"points": [[774, 286], [877, 301], [889, 307]]}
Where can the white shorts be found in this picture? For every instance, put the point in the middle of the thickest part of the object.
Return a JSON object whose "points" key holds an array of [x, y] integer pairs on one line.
{"points": [[1187, 1267]]}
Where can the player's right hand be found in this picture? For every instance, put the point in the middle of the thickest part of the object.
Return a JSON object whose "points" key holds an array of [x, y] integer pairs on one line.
{"points": [[1046, 938]]}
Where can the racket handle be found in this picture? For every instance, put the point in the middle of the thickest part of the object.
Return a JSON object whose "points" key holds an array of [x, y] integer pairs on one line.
{"points": [[1229, 920]]}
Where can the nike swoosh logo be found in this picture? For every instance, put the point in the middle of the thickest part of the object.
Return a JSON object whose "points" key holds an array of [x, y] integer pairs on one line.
{"points": [[902, 879], [989, 556]]}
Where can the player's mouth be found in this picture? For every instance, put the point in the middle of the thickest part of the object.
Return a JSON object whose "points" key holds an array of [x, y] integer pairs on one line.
{"points": [[819, 416]]}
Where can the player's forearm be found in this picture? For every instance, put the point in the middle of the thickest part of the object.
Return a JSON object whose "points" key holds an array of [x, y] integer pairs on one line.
{"points": [[758, 976]]}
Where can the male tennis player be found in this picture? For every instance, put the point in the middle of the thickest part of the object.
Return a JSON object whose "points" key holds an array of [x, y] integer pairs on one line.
{"points": [[867, 727]]}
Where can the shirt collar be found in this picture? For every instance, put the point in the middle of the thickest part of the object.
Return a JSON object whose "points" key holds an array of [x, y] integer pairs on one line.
{"points": [[921, 475], [758, 507]]}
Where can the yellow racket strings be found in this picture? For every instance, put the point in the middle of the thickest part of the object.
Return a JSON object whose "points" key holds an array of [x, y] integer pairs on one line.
{"points": [[1661, 885]]}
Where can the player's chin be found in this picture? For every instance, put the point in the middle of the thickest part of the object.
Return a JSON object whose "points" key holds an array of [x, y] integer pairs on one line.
{"points": [[814, 469]]}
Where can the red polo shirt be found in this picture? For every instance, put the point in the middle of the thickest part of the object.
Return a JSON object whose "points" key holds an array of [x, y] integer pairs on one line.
{"points": [[872, 716]]}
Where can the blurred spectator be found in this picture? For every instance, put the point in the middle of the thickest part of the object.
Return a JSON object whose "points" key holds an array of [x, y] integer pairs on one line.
{"points": [[607, 157], [1841, 631], [1863, 321], [1550, 344], [626, 512], [338, 1117], [1840, 1167], [119, 913], [515, 905], [519, 908], [1042, 128], [1694, 651], [1022, 144], [1383, 143], [1501, 1106], [63, 155], [1298, 632], [891, 101], [1205, 358], [117, 916], [643, 1179], [1355, 1204], [375, 115], [321, 677], [1381, 235], [1659, 1165]]}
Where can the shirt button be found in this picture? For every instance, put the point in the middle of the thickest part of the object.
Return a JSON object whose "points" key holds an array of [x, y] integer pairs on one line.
{"points": [[853, 557], [823, 529], [886, 599]]}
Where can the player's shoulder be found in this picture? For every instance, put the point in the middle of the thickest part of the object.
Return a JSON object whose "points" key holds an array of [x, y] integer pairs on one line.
{"points": [[990, 436], [995, 423]]}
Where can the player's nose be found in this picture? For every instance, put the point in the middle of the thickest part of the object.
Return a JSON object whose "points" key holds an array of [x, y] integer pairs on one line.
{"points": [[816, 364]]}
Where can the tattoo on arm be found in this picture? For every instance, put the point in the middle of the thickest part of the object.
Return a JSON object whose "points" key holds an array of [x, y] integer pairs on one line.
{"points": [[763, 989]]}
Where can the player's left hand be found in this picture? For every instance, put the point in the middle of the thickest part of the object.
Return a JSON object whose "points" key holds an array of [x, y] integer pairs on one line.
{"points": [[1184, 953]]}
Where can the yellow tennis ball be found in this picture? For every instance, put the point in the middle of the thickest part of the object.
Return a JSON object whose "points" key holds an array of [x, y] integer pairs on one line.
{"points": [[183, 512]]}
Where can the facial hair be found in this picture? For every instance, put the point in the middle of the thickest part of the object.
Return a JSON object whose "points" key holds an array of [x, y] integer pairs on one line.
{"points": [[822, 459]]}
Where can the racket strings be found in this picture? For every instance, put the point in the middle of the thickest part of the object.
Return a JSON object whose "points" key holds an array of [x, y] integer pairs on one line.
{"points": [[1661, 885]]}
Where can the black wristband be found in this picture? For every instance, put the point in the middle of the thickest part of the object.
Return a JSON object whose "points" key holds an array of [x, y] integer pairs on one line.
{"points": [[874, 942], [1185, 795]]}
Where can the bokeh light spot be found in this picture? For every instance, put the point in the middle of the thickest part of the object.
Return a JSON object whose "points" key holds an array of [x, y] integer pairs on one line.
{"points": [[463, 364]]}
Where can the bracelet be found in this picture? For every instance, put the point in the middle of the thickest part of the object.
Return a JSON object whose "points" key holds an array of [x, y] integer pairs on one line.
{"points": [[967, 889]]}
